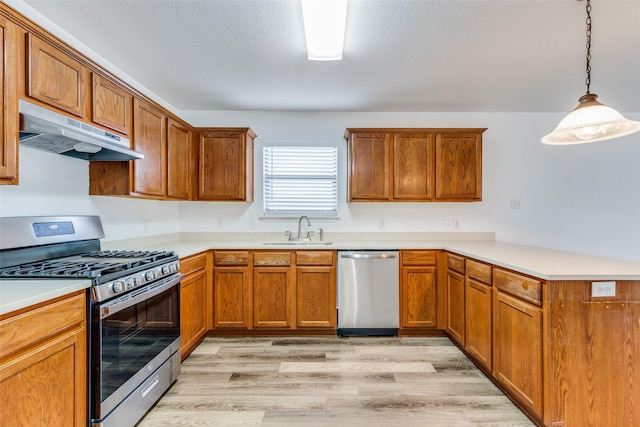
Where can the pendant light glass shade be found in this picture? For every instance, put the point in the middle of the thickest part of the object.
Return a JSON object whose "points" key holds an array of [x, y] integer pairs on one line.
{"points": [[590, 121]]}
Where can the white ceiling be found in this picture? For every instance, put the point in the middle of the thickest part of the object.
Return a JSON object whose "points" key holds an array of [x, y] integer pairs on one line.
{"points": [[399, 55]]}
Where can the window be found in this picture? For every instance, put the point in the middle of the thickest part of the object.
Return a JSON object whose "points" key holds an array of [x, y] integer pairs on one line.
{"points": [[300, 181]]}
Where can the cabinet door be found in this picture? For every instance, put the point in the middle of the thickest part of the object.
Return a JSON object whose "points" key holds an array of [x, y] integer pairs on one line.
{"points": [[478, 326], [232, 297], [225, 170], [112, 105], [455, 304], [55, 78], [316, 297], [9, 57], [178, 161], [193, 316], [150, 173], [459, 167], [412, 166], [369, 167], [517, 351], [418, 297], [273, 297]]}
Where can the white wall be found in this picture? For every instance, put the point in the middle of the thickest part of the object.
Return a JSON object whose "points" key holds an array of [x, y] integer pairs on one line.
{"points": [[583, 198]]}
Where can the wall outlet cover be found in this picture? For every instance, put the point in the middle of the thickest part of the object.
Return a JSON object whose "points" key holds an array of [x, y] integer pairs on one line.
{"points": [[603, 289]]}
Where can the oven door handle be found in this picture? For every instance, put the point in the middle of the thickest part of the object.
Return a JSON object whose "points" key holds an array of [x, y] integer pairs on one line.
{"points": [[138, 296]]}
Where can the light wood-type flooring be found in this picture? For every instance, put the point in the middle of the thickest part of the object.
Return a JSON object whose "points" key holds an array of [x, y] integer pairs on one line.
{"points": [[332, 382]]}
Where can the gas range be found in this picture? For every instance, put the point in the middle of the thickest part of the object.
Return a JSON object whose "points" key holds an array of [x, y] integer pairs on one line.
{"points": [[59, 256]]}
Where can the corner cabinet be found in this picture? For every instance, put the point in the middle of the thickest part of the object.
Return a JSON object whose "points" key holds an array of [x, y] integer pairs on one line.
{"points": [[225, 164], [9, 68], [414, 164], [43, 364]]}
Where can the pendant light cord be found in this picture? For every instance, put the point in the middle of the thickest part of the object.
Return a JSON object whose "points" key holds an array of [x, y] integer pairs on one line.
{"points": [[588, 81]]}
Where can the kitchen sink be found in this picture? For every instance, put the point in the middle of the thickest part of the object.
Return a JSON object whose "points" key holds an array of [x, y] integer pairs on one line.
{"points": [[299, 243]]}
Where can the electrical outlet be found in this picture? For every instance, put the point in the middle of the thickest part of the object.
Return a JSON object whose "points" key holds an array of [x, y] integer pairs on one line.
{"points": [[603, 289], [455, 224], [219, 223], [381, 224], [516, 204]]}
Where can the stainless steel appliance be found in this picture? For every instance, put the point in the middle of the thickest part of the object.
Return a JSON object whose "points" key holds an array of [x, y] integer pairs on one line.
{"points": [[134, 313], [48, 130], [368, 293]]}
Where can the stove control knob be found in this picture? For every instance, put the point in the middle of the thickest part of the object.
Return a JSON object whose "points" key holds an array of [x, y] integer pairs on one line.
{"points": [[130, 283], [174, 268], [118, 287], [150, 275], [166, 269]]}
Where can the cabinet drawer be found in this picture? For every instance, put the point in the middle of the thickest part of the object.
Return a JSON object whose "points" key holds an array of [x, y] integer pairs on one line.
{"points": [[36, 325], [278, 259], [193, 263], [231, 257], [314, 258], [419, 257], [455, 263], [524, 287], [478, 271]]}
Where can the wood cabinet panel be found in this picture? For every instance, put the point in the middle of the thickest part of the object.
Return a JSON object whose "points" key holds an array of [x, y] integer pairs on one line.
{"points": [[43, 365], [274, 259], [231, 257], [418, 297], [193, 263], [316, 296], [10, 57], [178, 160], [455, 263], [315, 258], [517, 351], [226, 165], [150, 173], [273, 297], [478, 271], [369, 166], [455, 306], [479, 321], [521, 286], [193, 315], [412, 166], [55, 78], [112, 105], [233, 299], [458, 166], [419, 257]]}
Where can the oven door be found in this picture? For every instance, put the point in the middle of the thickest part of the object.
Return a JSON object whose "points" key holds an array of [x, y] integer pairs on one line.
{"points": [[131, 336]]}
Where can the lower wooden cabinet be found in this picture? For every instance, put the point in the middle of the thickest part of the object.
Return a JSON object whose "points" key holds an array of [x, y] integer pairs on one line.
{"points": [[456, 299], [418, 292], [479, 313], [194, 302], [279, 290], [43, 370], [517, 349], [315, 289]]}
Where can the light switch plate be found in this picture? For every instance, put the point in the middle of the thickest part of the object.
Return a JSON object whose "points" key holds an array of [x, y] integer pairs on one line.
{"points": [[603, 289]]}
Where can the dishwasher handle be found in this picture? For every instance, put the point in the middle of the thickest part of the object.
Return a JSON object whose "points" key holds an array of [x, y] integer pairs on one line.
{"points": [[368, 256]]}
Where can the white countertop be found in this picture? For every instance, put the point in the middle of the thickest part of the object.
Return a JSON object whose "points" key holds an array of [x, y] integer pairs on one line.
{"points": [[543, 263], [19, 293]]}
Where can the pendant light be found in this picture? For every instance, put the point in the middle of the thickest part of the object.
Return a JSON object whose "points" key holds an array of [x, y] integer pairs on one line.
{"points": [[590, 121]]}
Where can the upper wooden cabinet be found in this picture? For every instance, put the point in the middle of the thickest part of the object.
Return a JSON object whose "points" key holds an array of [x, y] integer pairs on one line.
{"points": [[414, 164], [9, 68], [112, 105], [225, 164], [55, 78], [458, 166], [178, 160], [149, 138]]}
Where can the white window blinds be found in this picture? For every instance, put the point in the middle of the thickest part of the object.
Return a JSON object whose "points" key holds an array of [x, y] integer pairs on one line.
{"points": [[300, 181]]}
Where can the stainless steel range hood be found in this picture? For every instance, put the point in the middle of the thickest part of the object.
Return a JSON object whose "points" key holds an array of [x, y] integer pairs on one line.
{"points": [[50, 131]]}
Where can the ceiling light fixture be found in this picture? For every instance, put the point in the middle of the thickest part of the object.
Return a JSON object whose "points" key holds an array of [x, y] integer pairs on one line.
{"points": [[324, 26], [590, 121]]}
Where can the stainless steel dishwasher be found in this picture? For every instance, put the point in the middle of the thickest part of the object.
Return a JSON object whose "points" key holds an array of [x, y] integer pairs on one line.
{"points": [[368, 293]]}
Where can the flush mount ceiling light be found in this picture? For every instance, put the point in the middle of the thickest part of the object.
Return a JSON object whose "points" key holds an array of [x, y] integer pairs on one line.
{"points": [[324, 25], [590, 121]]}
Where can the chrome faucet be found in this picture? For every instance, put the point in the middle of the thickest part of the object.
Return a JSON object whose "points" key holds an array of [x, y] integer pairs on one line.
{"points": [[300, 226]]}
